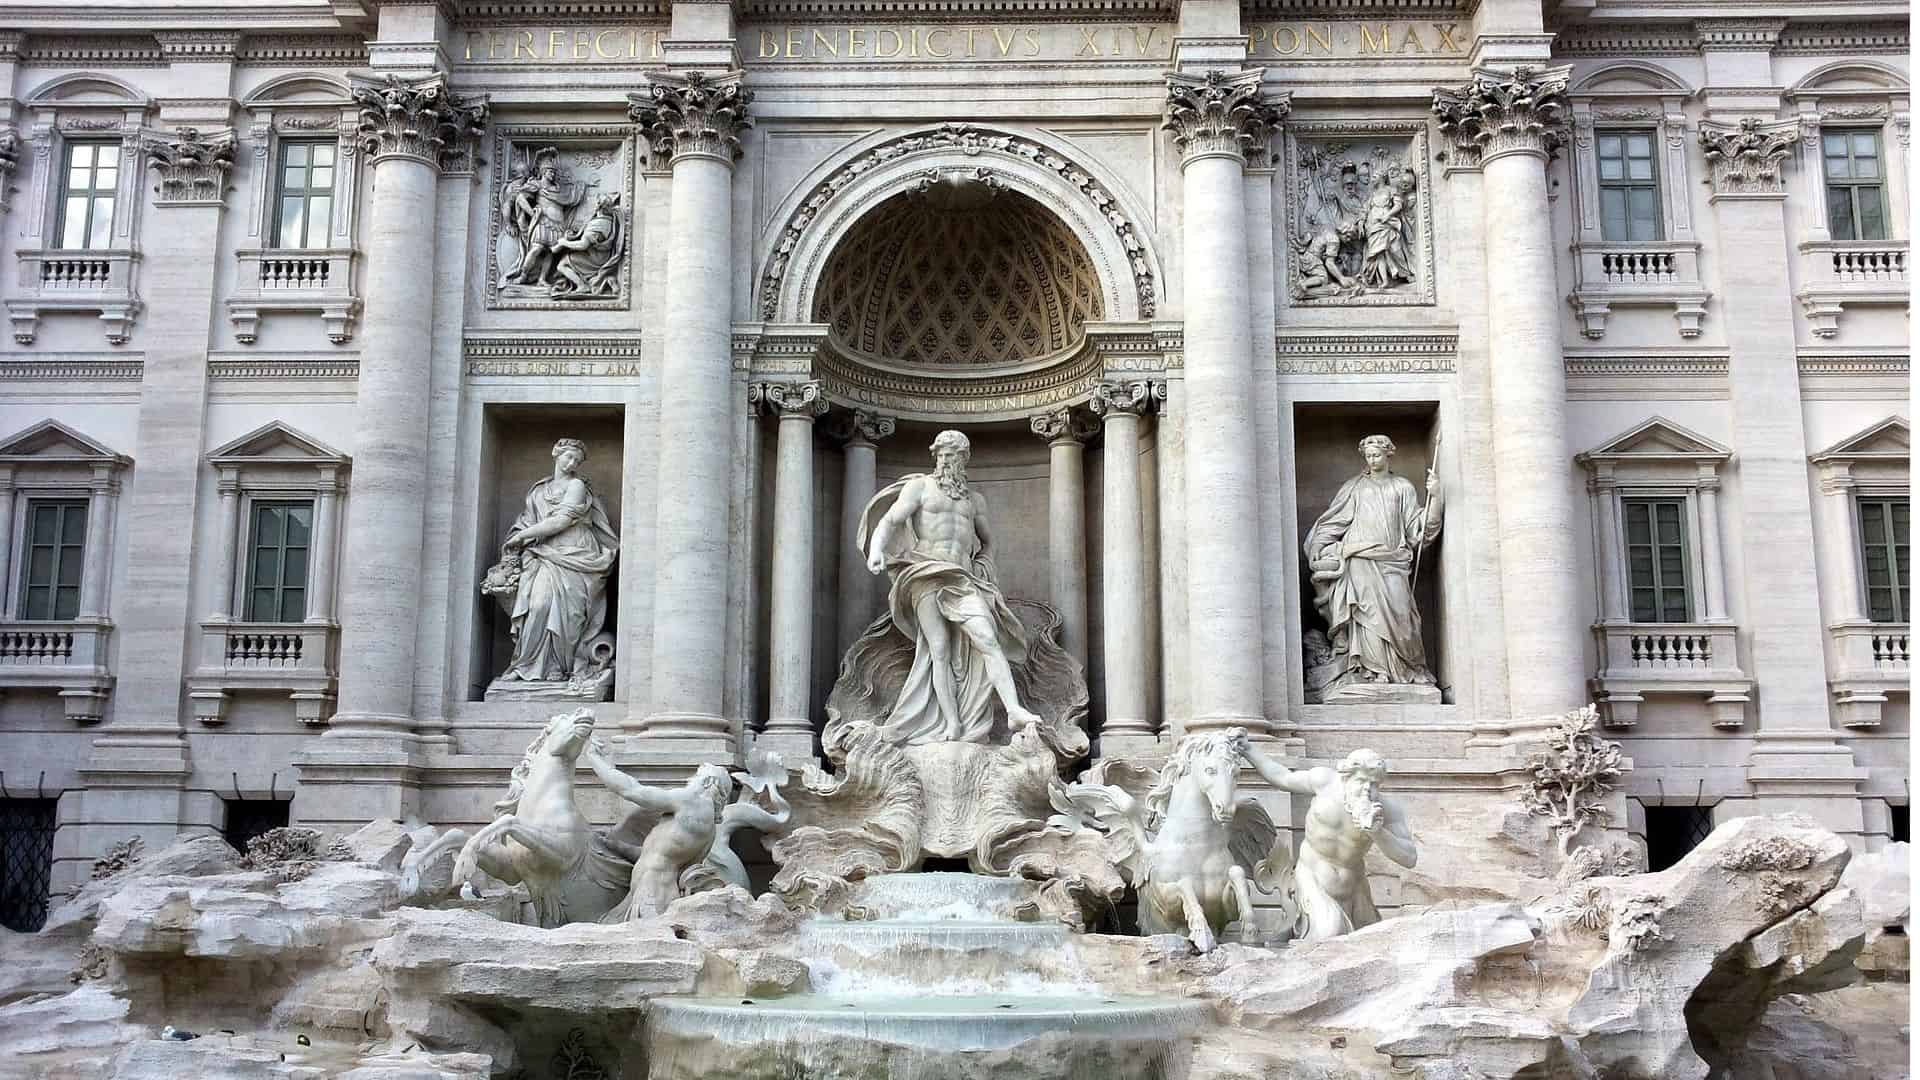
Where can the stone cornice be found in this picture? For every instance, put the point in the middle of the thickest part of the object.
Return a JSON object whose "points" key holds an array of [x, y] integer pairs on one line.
{"points": [[1223, 114], [1498, 113], [694, 114], [416, 118], [305, 50], [38, 369], [75, 50], [1738, 35], [197, 46], [1746, 160], [471, 12], [1843, 39], [800, 11]]}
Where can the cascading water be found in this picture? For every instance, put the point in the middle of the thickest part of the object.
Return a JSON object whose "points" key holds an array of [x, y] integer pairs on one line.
{"points": [[943, 984]]}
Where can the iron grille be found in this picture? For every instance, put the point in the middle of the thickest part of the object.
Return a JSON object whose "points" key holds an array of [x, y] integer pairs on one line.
{"points": [[26, 861], [248, 818], [1672, 831]]}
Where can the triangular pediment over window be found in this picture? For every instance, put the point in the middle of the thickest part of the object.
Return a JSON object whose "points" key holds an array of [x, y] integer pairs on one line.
{"points": [[1658, 439], [278, 444], [1890, 439], [51, 442]]}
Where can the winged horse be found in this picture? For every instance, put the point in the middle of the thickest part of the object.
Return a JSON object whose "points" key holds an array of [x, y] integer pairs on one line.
{"points": [[1187, 846]]}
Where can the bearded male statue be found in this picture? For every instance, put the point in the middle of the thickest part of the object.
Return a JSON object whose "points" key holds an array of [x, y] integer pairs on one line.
{"points": [[1328, 885], [929, 534]]}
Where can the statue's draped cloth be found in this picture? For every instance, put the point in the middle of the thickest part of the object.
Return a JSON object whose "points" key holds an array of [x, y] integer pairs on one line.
{"points": [[962, 592], [1372, 529], [561, 604]]}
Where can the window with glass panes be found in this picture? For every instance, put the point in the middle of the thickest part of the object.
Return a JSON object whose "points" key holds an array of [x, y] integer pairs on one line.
{"points": [[89, 183], [53, 554], [1629, 191], [1657, 559], [1884, 557], [303, 201], [277, 561], [1856, 185]]}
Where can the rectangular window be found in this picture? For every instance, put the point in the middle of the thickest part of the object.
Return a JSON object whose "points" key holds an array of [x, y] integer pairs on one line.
{"points": [[1884, 556], [1657, 560], [53, 555], [303, 195], [1856, 185], [1672, 831], [1629, 191], [89, 183], [248, 819], [277, 561], [26, 862]]}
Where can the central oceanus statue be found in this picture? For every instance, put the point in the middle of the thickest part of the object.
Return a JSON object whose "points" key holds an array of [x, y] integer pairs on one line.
{"points": [[1188, 847]]}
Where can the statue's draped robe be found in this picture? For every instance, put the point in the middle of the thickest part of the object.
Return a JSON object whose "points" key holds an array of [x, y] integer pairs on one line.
{"points": [[561, 604], [963, 592], [1372, 528]]}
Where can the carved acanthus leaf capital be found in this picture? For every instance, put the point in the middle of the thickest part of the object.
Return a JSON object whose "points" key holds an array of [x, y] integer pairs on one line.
{"points": [[1063, 424], [695, 114], [417, 118], [861, 426], [1745, 160], [798, 400], [1499, 113], [1131, 398], [190, 165], [1222, 114]]}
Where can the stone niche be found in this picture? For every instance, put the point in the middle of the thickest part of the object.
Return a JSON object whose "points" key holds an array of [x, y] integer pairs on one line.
{"points": [[1326, 455], [517, 450]]}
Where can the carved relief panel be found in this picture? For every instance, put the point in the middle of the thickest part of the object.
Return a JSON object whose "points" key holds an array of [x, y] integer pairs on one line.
{"points": [[1359, 226], [560, 219]]}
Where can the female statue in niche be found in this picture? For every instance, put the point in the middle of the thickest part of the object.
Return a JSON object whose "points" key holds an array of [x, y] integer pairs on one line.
{"points": [[1362, 553], [552, 579]]}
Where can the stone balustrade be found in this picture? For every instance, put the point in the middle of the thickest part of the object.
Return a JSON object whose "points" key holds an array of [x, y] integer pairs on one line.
{"points": [[318, 280], [1651, 274], [55, 280], [1871, 663], [1841, 273], [1684, 659], [298, 658], [68, 657]]}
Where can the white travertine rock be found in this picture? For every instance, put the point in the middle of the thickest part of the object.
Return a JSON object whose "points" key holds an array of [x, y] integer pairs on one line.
{"points": [[348, 1001], [200, 856], [33, 964], [237, 916], [384, 843], [90, 1016], [1880, 879]]}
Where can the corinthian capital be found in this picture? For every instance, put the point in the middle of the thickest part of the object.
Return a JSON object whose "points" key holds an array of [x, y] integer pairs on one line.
{"points": [[802, 400], [191, 166], [1056, 425], [417, 118], [1132, 398], [1499, 113], [694, 114], [1221, 114], [1746, 160]]}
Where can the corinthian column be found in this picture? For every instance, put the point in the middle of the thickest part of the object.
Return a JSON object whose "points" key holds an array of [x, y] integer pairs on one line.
{"points": [[789, 717], [1123, 566], [1214, 119], [1510, 123], [859, 480], [1066, 433], [408, 128], [695, 120]]}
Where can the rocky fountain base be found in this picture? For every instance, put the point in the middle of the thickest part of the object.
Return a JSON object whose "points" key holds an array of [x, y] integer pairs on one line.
{"points": [[942, 981]]}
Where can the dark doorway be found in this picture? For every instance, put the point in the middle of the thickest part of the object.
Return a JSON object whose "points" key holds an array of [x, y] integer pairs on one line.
{"points": [[1672, 831], [248, 818]]}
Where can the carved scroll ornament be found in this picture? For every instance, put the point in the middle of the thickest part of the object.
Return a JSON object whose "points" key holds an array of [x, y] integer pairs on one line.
{"points": [[694, 114], [1498, 113], [1218, 113], [417, 118]]}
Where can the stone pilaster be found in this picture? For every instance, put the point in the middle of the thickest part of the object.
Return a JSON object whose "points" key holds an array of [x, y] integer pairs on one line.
{"points": [[1215, 118], [1128, 728], [860, 593], [1796, 763], [1510, 124], [1273, 429], [410, 129], [1066, 432], [696, 121], [795, 406]]}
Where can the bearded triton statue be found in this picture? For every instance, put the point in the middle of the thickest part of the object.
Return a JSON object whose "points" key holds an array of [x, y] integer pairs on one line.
{"points": [[929, 534]]}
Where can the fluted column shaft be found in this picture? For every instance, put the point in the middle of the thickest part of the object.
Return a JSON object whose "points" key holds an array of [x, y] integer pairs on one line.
{"points": [[1123, 564], [1066, 435], [789, 721], [406, 126], [1512, 122], [1211, 118], [696, 120], [859, 480]]}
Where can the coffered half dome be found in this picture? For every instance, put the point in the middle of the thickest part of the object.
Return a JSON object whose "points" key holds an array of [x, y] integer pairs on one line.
{"points": [[958, 274]]}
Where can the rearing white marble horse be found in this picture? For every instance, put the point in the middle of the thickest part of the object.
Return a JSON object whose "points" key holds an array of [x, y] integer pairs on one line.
{"points": [[1187, 846]]}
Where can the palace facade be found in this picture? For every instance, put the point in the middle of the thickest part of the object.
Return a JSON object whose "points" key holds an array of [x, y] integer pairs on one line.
{"points": [[303, 293]]}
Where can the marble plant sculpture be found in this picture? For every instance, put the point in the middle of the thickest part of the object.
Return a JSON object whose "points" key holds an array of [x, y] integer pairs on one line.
{"points": [[1188, 847], [1327, 884], [552, 580], [1363, 553], [673, 842]]}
